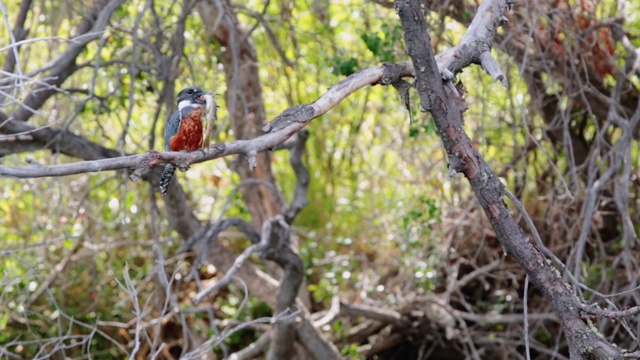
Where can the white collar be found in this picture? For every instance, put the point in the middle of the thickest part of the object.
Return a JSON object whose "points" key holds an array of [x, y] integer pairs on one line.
{"points": [[183, 104]]}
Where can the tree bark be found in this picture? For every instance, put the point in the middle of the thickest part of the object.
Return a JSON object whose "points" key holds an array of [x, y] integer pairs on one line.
{"points": [[584, 341]]}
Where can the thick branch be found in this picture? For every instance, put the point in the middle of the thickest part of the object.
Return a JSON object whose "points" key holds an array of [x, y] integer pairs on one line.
{"points": [[280, 252], [464, 158], [56, 140]]}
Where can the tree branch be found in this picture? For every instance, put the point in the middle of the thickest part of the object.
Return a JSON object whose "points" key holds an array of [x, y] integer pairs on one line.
{"points": [[259, 244], [19, 33], [263, 286], [279, 130], [291, 120], [90, 29], [302, 177], [275, 247], [583, 341]]}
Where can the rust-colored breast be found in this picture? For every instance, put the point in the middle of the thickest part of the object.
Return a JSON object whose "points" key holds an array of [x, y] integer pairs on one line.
{"points": [[189, 135]]}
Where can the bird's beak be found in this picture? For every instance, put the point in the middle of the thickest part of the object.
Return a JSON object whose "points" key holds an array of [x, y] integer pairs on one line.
{"points": [[203, 96], [200, 99]]}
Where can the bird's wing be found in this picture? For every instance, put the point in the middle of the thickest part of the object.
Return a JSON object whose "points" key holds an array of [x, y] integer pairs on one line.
{"points": [[171, 128]]}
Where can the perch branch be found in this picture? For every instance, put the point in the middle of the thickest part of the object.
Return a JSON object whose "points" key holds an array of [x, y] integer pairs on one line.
{"points": [[289, 121]]}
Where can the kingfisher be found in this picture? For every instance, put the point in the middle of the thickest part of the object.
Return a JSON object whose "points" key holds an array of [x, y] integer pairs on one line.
{"points": [[184, 129]]}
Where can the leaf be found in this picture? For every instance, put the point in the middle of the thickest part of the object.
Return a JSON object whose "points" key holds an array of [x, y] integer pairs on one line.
{"points": [[344, 66], [373, 43], [4, 320], [129, 200], [429, 127]]}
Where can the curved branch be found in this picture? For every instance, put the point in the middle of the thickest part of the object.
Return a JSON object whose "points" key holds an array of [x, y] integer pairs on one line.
{"points": [[259, 243], [302, 177], [277, 249]]}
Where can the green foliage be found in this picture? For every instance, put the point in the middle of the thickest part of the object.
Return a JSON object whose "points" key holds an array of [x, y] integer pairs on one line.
{"points": [[344, 65], [322, 290], [384, 44], [106, 223], [380, 197], [542, 336], [351, 352], [424, 212], [467, 15]]}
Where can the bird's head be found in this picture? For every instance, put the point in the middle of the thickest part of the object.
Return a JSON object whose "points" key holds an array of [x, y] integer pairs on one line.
{"points": [[191, 96]]}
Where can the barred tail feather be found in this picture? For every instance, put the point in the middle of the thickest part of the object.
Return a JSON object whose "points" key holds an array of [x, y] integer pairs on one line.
{"points": [[167, 175]]}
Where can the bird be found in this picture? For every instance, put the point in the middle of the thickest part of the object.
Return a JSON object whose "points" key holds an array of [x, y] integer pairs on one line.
{"points": [[184, 129]]}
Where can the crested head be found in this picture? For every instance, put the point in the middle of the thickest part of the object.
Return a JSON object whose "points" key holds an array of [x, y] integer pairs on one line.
{"points": [[191, 96]]}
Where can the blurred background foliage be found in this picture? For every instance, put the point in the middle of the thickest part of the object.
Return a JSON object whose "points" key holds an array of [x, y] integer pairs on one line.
{"points": [[385, 222]]}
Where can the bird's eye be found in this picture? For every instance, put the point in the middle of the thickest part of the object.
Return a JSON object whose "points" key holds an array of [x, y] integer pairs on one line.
{"points": [[190, 91]]}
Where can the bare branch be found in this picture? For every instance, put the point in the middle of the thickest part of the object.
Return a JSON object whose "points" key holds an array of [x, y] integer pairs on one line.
{"points": [[215, 341], [18, 34], [583, 341], [375, 313], [252, 350], [90, 29], [331, 314], [238, 262], [280, 129], [270, 33], [302, 177], [280, 252], [612, 314]]}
